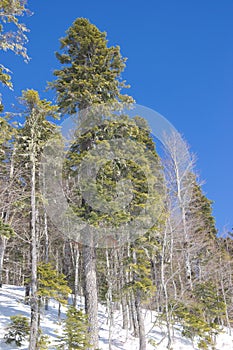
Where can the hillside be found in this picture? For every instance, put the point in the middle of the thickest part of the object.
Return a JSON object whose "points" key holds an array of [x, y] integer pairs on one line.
{"points": [[12, 303]]}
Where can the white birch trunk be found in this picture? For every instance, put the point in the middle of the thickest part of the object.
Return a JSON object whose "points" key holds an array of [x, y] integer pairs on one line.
{"points": [[2, 253]]}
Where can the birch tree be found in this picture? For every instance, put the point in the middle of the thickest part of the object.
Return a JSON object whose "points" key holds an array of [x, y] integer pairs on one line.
{"points": [[178, 167]]}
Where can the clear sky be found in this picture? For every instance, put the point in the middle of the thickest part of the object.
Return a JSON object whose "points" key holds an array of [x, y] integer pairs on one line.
{"points": [[180, 63]]}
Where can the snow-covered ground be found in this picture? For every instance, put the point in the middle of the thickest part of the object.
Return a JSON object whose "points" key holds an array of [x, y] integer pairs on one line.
{"points": [[12, 303]]}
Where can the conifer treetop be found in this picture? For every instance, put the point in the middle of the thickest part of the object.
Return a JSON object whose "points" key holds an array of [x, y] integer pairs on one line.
{"points": [[90, 72]]}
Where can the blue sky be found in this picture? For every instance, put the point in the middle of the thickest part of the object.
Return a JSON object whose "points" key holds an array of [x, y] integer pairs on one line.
{"points": [[180, 63]]}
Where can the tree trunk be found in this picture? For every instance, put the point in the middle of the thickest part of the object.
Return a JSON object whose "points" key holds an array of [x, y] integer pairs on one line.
{"points": [[27, 294], [2, 252], [125, 312], [34, 302], [133, 315], [164, 286], [46, 251], [76, 276], [66, 265], [90, 285], [3, 240], [59, 312], [141, 326], [121, 284], [109, 278], [140, 320], [46, 243]]}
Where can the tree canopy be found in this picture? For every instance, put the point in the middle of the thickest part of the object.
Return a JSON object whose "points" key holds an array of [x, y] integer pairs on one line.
{"points": [[90, 71]]}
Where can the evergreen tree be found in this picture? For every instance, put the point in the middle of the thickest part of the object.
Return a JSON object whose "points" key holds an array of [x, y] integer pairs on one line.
{"points": [[18, 331], [43, 342], [91, 71], [201, 231], [75, 333], [110, 174], [200, 315], [90, 74], [52, 284], [211, 302]]}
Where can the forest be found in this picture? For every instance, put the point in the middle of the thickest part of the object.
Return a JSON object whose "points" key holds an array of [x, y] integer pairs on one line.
{"points": [[147, 238]]}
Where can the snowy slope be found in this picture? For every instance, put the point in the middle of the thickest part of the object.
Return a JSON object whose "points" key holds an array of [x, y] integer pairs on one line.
{"points": [[12, 303]]}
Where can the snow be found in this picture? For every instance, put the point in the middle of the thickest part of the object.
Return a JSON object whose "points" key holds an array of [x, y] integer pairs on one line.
{"points": [[12, 303]]}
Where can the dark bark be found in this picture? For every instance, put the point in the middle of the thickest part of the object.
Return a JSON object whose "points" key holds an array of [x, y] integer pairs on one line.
{"points": [[133, 315], [141, 326], [27, 294]]}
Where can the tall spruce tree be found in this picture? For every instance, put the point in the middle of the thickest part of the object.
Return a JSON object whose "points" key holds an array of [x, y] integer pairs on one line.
{"points": [[90, 74], [109, 176], [91, 71], [201, 230]]}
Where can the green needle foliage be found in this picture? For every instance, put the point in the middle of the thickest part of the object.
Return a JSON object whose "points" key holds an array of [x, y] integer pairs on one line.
{"points": [[90, 72], [7, 133], [115, 172], [6, 230], [43, 341], [212, 304], [52, 284], [200, 211], [18, 331], [193, 324], [75, 333], [200, 316]]}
